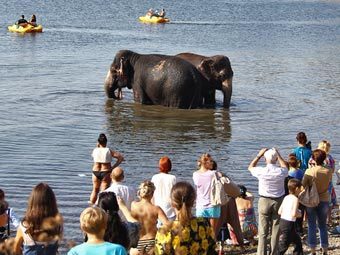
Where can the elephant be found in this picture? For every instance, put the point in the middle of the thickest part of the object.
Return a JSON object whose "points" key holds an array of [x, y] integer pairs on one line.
{"points": [[217, 70], [156, 79]]}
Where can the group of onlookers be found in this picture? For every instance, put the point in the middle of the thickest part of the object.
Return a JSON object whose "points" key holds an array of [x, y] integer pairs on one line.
{"points": [[159, 217], [281, 215]]}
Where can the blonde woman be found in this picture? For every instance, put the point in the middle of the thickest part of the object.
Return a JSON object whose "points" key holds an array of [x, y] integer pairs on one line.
{"points": [[202, 180], [147, 214], [329, 162], [187, 234]]}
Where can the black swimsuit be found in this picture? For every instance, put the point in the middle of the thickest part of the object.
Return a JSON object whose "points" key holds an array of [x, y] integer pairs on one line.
{"points": [[100, 174]]}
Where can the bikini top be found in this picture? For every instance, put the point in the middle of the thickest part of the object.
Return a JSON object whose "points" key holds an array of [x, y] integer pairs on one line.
{"points": [[102, 155]]}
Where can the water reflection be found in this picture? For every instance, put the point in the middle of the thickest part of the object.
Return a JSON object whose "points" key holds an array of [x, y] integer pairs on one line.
{"points": [[164, 123]]}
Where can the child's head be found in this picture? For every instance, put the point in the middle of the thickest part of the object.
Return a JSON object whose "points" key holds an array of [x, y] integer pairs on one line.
{"points": [[293, 162], [294, 185], [146, 189], [325, 146], [93, 220]]}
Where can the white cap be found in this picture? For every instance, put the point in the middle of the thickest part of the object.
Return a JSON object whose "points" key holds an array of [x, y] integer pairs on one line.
{"points": [[270, 155]]}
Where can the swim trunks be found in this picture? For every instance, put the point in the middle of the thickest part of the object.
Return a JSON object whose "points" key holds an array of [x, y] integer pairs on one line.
{"points": [[145, 245]]}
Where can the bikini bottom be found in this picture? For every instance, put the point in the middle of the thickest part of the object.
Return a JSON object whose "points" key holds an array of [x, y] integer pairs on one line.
{"points": [[100, 174]]}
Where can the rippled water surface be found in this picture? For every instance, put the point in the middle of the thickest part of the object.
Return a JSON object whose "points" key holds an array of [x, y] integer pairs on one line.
{"points": [[285, 56]]}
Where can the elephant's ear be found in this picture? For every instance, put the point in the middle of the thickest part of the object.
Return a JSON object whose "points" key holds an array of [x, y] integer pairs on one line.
{"points": [[206, 68]]}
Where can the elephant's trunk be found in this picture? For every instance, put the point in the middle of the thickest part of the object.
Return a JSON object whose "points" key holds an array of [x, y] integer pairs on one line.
{"points": [[110, 88], [227, 87]]}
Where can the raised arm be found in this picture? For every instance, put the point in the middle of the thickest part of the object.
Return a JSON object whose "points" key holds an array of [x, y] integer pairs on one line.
{"points": [[282, 162], [117, 156], [19, 240], [162, 217], [254, 162], [125, 210]]}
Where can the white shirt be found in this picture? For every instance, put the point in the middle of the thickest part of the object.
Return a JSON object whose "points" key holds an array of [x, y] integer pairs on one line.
{"points": [[289, 207], [271, 180], [161, 197], [102, 155], [128, 194]]}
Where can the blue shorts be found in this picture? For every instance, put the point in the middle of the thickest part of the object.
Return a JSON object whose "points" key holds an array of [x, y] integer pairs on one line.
{"points": [[211, 212]]}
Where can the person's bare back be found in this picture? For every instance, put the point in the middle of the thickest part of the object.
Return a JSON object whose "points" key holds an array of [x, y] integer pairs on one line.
{"points": [[147, 213]]}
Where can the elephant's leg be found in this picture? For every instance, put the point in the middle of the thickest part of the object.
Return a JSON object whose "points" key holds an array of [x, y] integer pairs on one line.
{"points": [[210, 98], [141, 96]]}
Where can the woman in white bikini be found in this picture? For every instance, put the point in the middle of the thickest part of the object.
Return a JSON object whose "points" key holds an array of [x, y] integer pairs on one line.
{"points": [[102, 157]]}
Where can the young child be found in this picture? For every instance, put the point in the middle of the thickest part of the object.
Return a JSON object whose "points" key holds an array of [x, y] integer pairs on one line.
{"points": [[9, 211], [93, 221], [289, 212]]}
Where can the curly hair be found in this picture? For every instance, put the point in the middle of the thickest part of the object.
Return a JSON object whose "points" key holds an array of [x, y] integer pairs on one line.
{"points": [[146, 189]]}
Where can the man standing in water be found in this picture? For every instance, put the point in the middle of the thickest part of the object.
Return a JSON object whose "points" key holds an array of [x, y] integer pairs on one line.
{"points": [[271, 190]]}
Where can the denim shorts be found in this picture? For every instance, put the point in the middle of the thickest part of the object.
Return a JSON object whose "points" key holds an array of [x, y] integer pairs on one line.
{"points": [[211, 212]]}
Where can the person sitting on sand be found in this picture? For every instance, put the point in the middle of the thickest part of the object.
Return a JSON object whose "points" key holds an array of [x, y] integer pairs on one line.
{"points": [[147, 214], [246, 214]]}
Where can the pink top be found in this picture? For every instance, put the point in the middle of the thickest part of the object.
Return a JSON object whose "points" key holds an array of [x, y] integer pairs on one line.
{"points": [[202, 181]]}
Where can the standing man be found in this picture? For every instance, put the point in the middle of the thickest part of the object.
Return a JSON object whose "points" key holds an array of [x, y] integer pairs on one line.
{"points": [[271, 191], [126, 193]]}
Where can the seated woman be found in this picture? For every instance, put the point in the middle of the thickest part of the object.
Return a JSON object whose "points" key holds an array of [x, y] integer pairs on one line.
{"points": [[150, 13], [33, 21], [187, 234], [246, 214], [102, 157]]}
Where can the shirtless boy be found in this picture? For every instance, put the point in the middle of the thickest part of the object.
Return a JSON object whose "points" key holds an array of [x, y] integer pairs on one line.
{"points": [[147, 214]]}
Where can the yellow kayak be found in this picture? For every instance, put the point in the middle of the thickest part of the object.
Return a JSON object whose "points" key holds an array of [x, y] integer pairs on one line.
{"points": [[153, 19], [27, 29]]}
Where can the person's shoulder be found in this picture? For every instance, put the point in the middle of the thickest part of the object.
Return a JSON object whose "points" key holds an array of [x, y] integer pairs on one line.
{"points": [[115, 246]]}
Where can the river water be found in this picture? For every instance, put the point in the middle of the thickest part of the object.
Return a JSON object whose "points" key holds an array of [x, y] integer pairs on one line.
{"points": [[285, 56]]}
